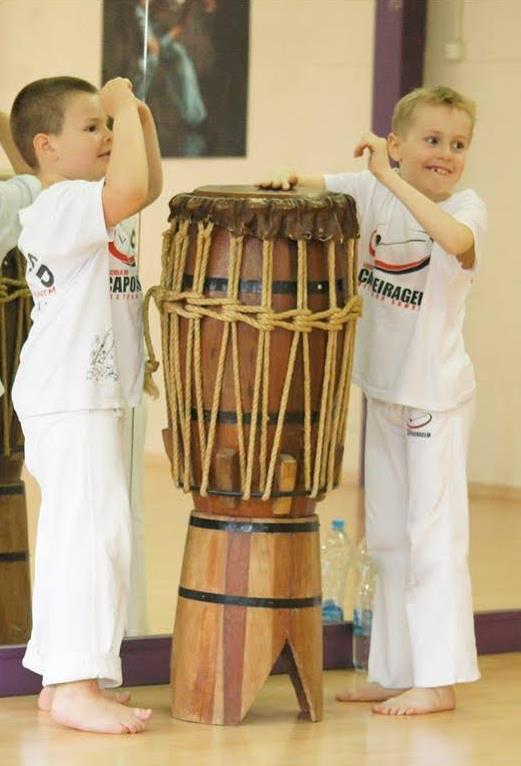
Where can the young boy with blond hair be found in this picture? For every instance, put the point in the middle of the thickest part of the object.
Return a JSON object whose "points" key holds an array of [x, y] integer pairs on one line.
{"points": [[420, 242], [80, 369]]}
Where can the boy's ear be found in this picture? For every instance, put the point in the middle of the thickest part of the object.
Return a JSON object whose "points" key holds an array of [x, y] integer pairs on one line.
{"points": [[44, 147], [393, 146]]}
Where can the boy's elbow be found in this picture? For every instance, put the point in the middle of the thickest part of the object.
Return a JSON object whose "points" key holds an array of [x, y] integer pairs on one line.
{"points": [[461, 242], [154, 191], [155, 194], [140, 197], [135, 196]]}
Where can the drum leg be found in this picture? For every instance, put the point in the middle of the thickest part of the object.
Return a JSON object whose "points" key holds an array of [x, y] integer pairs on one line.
{"points": [[15, 586], [249, 594]]}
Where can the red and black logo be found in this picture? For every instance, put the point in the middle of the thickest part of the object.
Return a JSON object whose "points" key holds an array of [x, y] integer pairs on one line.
{"points": [[409, 267], [416, 424], [128, 260]]}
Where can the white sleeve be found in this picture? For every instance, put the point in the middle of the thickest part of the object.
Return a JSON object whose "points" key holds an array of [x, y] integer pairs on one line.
{"points": [[15, 194], [77, 221], [344, 183], [473, 213], [357, 185]]}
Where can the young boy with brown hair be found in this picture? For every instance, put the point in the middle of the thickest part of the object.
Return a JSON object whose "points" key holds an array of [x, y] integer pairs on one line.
{"points": [[420, 242], [80, 368]]}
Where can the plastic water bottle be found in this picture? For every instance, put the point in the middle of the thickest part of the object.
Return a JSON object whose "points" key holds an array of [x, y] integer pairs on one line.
{"points": [[363, 608], [336, 554]]}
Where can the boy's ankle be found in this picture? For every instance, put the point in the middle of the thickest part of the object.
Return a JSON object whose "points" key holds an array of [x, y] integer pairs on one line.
{"points": [[89, 685]]}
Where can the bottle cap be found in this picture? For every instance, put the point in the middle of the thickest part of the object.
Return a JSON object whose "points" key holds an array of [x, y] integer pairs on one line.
{"points": [[338, 525]]}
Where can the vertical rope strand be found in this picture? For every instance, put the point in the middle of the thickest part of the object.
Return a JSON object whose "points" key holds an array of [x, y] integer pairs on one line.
{"points": [[342, 387], [233, 292], [318, 470], [267, 298], [329, 447], [352, 256], [5, 398], [253, 420], [281, 416], [303, 281], [179, 433]]}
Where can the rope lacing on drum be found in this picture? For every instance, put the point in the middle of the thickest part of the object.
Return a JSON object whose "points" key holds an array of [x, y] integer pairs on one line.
{"points": [[174, 303]]}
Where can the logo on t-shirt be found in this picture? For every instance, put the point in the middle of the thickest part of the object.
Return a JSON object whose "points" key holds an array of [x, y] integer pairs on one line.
{"points": [[123, 246], [44, 276], [395, 259], [124, 282]]}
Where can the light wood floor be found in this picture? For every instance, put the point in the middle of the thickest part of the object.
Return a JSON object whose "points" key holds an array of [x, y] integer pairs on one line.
{"points": [[483, 731], [495, 536]]}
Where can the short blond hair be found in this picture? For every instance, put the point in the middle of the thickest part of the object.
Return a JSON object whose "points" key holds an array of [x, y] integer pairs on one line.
{"points": [[437, 95]]}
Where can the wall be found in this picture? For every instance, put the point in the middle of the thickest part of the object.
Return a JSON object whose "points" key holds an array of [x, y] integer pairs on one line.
{"points": [[490, 73], [309, 100]]}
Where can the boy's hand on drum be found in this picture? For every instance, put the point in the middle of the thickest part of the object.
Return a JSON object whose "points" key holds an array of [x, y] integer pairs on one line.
{"points": [[378, 161], [281, 180]]}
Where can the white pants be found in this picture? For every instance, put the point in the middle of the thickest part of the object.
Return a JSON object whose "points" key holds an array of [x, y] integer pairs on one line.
{"points": [[83, 546], [417, 535]]}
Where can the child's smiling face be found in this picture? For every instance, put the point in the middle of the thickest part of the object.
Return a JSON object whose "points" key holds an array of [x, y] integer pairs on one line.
{"points": [[432, 149]]}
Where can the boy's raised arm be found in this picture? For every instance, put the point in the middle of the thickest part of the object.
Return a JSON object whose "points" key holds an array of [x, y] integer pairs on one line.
{"points": [[126, 181], [8, 145], [454, 237], [155, 169]]}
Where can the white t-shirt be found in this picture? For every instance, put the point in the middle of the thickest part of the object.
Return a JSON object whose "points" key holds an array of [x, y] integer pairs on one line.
{"points": [[15, 194], [85, 347], [409, 347]]}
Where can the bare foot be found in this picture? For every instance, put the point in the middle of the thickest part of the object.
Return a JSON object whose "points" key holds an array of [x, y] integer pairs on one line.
{"points": [[372, 692], [46, 697], [82, 705], [418, 701]]}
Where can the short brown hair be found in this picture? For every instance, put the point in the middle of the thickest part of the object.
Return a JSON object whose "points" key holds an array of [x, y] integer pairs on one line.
{"points": [[40, 108], [437, 95]]}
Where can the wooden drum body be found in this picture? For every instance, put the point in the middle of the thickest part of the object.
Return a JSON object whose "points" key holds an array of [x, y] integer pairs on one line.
{"points": [[258, 306], [15, 586]]}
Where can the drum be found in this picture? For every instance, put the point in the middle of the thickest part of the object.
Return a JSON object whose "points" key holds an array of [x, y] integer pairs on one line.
{"points": [[15, 588], [258, 307]]}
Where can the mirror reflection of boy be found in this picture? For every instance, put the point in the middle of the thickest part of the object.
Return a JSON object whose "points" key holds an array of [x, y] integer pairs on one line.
{"points": [[15, 193]]}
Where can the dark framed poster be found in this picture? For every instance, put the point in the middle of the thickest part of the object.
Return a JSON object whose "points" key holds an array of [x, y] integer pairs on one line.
{"points": [[192, 71]]}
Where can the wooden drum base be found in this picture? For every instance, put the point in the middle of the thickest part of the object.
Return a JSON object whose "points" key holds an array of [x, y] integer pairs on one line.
{"points": [[249, 593], [15, 585]]}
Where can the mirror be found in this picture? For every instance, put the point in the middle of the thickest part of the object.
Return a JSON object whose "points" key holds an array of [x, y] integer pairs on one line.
{"points": [[309, 89]]}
